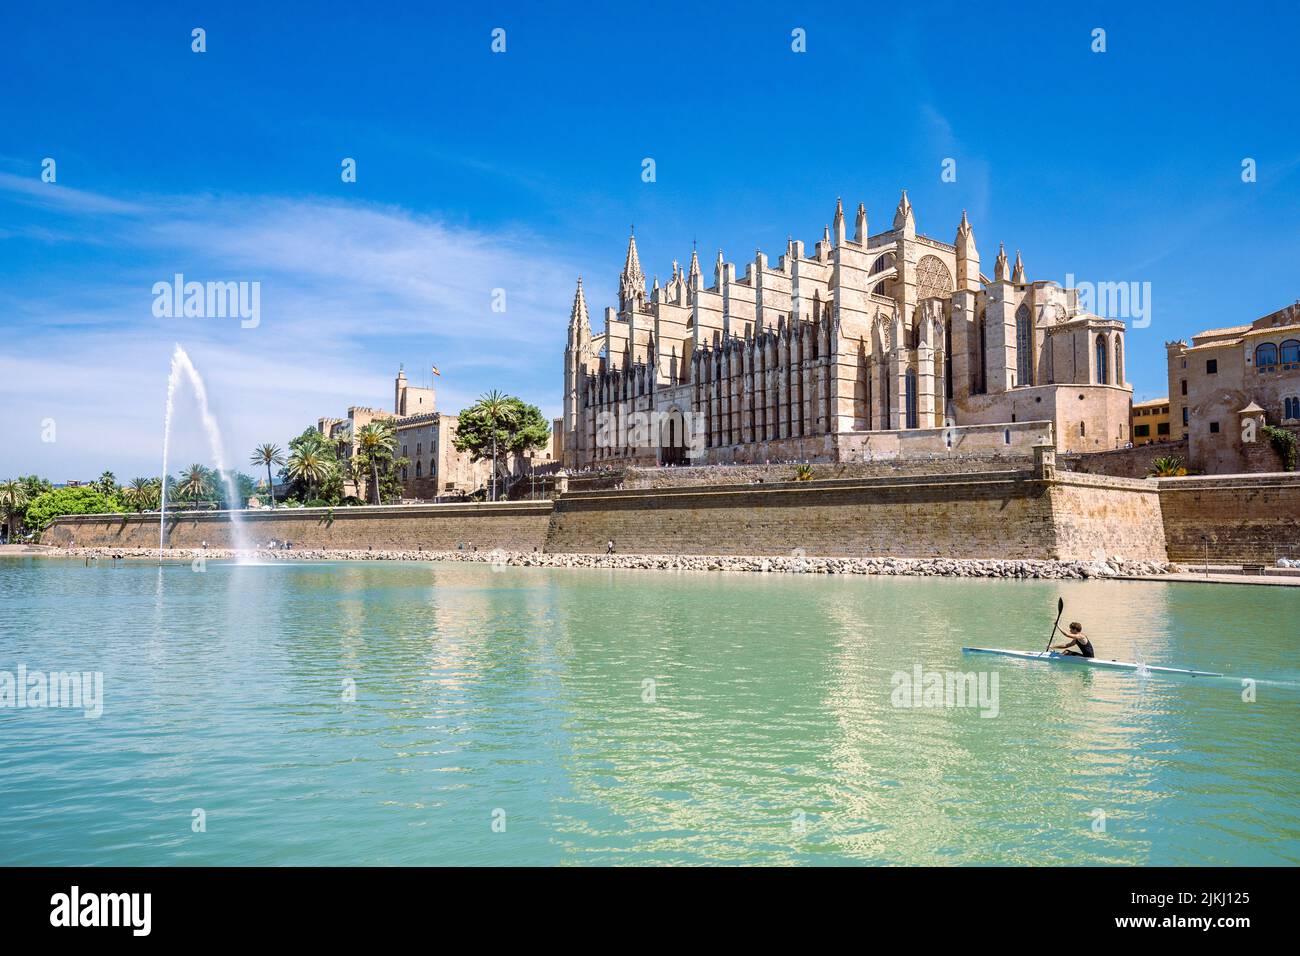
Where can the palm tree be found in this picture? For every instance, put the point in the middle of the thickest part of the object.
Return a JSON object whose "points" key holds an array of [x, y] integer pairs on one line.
{"points": [[496, 409], [803, 472], [107, 483], [375, 441], [194, 482], [141, 493], [1167, 466], [268, 455], [13, 496], [309, 464]]}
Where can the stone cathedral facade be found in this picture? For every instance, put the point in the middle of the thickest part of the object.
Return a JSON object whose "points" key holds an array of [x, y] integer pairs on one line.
{"points": [[876, 346]]}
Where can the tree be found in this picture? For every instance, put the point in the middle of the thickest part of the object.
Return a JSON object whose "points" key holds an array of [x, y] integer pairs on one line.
{"points": [[376, 442], [268, 455], [500, 424], [309, 464], [86, 500], [142, 493], [13, 503], [107, 484], [195, 482]]}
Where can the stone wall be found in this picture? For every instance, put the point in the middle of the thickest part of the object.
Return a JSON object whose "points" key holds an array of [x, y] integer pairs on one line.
{"points": [[516, 526], [1001, 515], [697, 475], [991, 515], [1118, 517], [997, 514], [1241, 518], [1133, 462]]}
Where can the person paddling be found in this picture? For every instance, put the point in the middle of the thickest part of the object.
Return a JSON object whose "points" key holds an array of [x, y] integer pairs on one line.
{"points": [[1077, 643]]}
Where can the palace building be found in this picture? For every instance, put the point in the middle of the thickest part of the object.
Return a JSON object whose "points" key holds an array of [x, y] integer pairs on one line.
{"points": [[882, 345], [1227, 378], [425, 436]]}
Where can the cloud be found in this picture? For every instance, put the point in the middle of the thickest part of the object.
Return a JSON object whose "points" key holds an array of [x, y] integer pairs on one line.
{"points": [[348, 290]]}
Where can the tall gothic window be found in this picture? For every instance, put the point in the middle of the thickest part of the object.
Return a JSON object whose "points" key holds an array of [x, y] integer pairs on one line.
{"points": [[1102, 376], [981, 373], [947, 359], [1119, 362], [910, 385], [1024, 347]]}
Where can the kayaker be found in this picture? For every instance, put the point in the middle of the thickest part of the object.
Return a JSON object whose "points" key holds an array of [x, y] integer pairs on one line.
{"points": [[1078, 643]]}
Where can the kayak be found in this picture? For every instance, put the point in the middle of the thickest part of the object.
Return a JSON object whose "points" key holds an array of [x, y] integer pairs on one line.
{"points": [[1090, 661]]}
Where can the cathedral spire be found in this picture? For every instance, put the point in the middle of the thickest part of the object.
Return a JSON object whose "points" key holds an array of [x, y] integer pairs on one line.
{"points": [[903, 214], [578, 315], [631, 284], [860, 228], [1018, 271], [968, 257], [693, 278], [1000, 266], [839, 222]]}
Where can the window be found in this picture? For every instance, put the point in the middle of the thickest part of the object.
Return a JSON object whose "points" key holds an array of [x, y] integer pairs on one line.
{"points": [[1102, 375], [1292, 408], [1119, 362], [910, 386], [1006, 436], [1184, 416], [1162, 428], [1083, 430], [1184, 386], [1266, 356], [418, 470], [1211, 366], [1024, 347], [1214, 428], [1141, 431], [1291, 352], [981, 375]]}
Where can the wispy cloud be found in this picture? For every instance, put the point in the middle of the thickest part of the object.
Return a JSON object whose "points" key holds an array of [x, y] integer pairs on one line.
{"points": [[348, 290]]}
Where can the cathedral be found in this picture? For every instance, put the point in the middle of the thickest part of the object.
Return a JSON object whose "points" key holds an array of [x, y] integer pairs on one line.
{"points": [[890, 345]]}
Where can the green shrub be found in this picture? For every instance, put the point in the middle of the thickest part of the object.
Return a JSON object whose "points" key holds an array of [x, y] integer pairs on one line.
{"points": [[86, 500]]}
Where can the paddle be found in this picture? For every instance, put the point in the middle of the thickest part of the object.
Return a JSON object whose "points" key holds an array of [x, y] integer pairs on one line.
{"points": [[1060, 609]]}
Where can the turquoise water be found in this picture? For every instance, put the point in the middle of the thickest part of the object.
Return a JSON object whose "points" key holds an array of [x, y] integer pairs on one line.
{"points": [[519, 697]]}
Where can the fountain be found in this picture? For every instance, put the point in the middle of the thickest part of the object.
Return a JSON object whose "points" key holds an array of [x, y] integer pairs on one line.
{"points": [[182, 366]]}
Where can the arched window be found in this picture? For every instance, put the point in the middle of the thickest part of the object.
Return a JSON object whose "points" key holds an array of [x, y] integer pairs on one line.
{"points": [[1291, 352], [910, 385], [1265, 355], [1102, 376], [1024, 347], [1292, 408], [1119, 362]]}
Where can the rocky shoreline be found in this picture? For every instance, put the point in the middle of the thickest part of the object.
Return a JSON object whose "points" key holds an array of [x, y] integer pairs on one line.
{"points": [[1110, 567]]}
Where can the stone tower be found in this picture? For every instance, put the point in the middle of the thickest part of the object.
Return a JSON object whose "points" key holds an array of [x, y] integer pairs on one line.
{"points": [[575, 372]]}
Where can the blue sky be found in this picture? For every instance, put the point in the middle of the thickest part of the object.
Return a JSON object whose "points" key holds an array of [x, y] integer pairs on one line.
{"points": [[478, 171]]}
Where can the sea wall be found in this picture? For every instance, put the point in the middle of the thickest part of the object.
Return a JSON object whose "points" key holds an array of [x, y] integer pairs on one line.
{"points": [[1095, 516], [1235, 518], [515, 526], [1006, 515]]}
